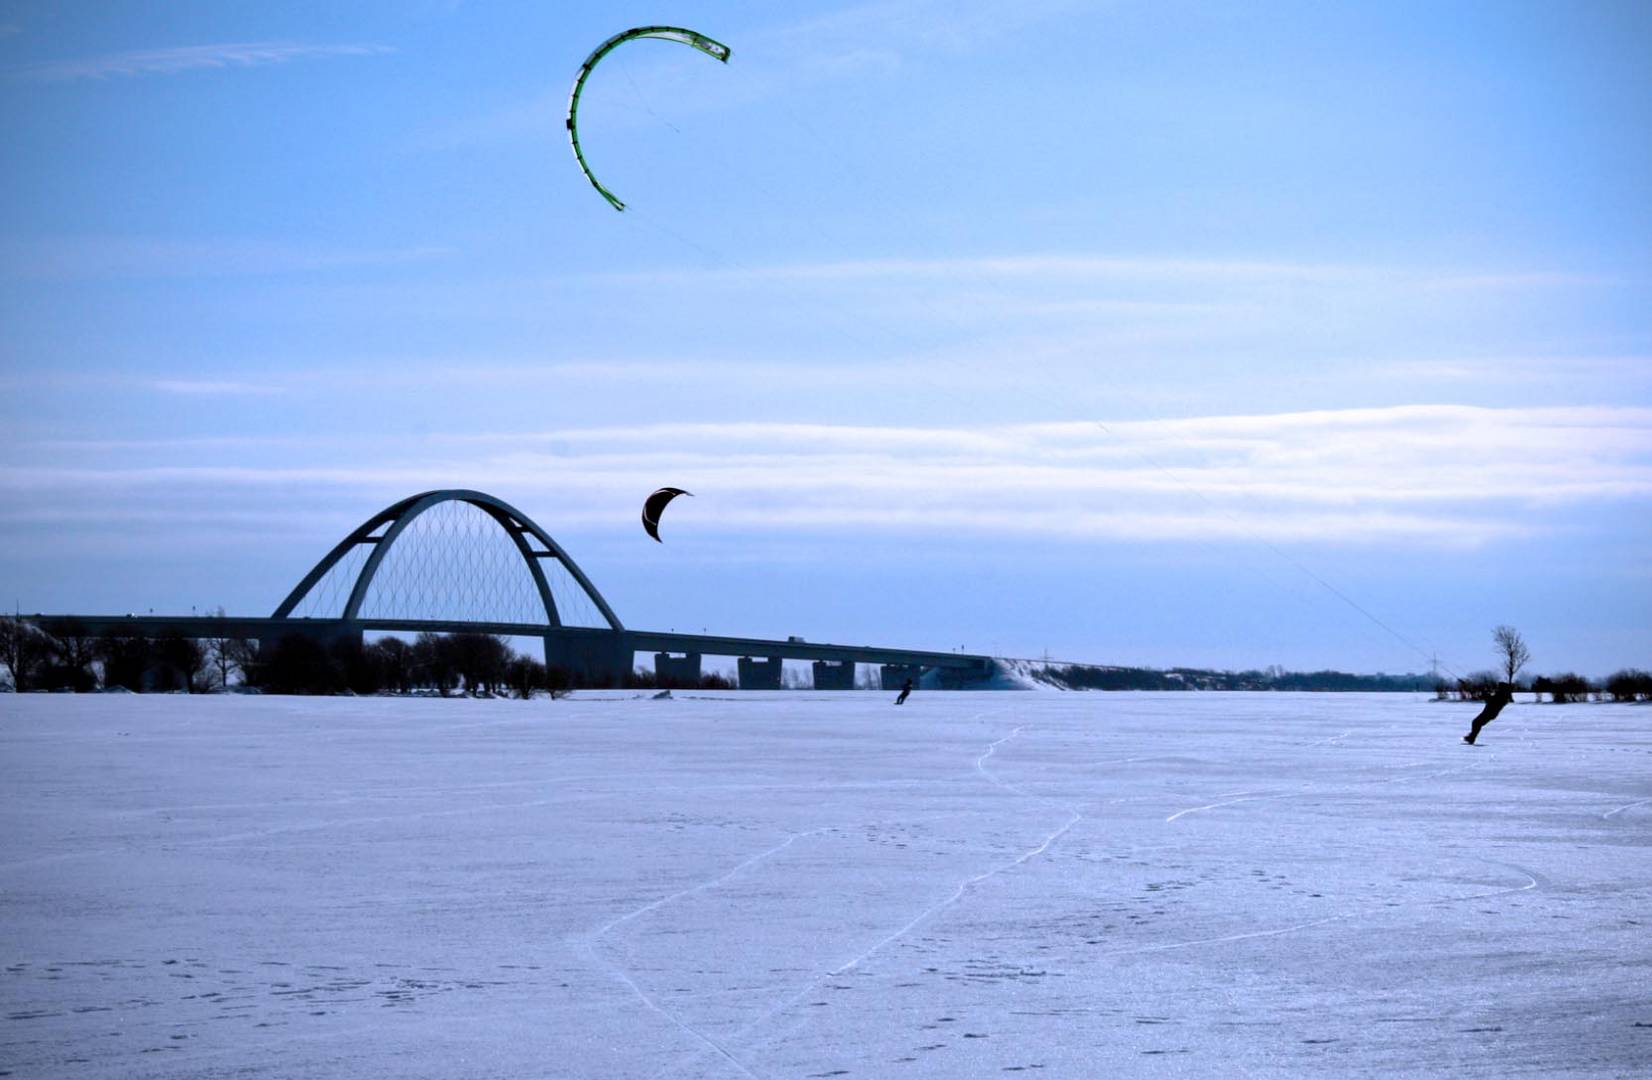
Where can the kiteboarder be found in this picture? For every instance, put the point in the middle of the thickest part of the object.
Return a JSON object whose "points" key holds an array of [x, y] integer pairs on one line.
{"points": [[905, 690], [1502, 696]]}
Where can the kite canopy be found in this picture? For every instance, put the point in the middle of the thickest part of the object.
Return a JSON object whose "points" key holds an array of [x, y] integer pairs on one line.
{"points": [[654, 505], [714, 49]]}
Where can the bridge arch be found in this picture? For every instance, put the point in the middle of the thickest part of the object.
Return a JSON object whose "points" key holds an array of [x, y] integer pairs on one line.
{"points": [[394, 519]]}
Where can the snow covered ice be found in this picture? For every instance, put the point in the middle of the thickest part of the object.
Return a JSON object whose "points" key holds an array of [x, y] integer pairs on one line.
{"points": [[818, 884]]}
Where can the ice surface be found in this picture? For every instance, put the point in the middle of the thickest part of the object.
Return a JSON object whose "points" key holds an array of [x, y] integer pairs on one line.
{"points": [[819, 884]]}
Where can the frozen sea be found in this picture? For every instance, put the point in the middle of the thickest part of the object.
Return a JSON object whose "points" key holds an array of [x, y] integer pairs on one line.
{"points": [[821, 885]]}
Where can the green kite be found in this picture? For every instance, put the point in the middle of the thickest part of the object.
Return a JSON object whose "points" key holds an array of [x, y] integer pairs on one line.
{"points": [[714, 49]]}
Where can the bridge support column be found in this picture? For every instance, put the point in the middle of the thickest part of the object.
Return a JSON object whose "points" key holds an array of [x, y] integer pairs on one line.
{"points": [[830, 675], [305, 656], [894, 676], [328, 633], [966, 678], [677, 670], [759, 674], [331, 635], [595, 660]]}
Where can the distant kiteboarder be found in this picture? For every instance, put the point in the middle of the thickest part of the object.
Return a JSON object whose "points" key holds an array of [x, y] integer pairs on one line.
{"points": [[654, 505], [905, 690], [1502, 696]]}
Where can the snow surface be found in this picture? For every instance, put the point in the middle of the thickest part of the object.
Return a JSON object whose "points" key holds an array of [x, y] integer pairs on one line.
{"points": [[818, 884]]}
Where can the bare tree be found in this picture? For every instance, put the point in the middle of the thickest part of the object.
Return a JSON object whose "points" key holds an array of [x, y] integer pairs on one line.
{"points": [[227, 654], [126, 660], [1630, 684], [434, 662], [1569, 688], [23, 647], [186, 657], [481, 660], [1511, 647], [396, 662], [524, 674], [247, 652], [76, 651], [221, 658]]}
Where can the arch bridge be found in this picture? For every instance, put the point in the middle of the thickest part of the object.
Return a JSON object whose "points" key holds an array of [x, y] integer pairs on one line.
{"points": [[458, 560]]}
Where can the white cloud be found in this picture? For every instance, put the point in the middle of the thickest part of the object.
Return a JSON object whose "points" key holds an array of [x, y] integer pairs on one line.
{"points": [[1083, 306], [1442, 476], [189, 58], [145, 256], [212, 388], [1488, 370], [1065, 268]]}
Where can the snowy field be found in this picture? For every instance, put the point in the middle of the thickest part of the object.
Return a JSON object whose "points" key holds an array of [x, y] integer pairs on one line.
{"points": [[820, 885]]}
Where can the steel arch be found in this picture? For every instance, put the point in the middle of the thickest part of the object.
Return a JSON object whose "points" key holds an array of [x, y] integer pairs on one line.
{"points": [[398, 516]]}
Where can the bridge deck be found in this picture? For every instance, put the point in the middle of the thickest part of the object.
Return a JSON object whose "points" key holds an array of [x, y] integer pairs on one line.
{"points": [[202, 626]]}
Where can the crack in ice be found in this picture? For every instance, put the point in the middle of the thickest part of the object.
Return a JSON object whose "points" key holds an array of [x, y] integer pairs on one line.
{"points": [[642, 995]]}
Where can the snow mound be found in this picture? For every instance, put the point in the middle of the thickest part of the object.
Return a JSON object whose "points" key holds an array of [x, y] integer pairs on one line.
{"points": [[1020, 675]]}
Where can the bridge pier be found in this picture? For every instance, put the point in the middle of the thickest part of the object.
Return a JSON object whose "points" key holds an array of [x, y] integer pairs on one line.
{"points": [[894, 676], [969, 678], [677, 670], [831, 675], [330, 635], [759, 674], [598, 660]]}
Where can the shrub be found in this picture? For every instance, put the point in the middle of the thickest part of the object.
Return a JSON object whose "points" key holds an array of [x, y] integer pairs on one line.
{"points": [[1630, 684], [1569, 688], [1479, 686]]}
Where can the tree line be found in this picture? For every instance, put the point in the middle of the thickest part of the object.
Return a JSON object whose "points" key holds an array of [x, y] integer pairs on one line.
{"points": [[1094, 677], [73, 659], [296, 664], [1563, 688], [1509, 646]]}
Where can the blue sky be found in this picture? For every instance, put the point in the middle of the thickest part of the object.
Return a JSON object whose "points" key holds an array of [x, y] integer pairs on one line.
{"points": [[1107, 330]]}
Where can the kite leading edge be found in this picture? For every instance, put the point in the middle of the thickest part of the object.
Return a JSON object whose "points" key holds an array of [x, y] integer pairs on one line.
{"points": [[714, 49]]}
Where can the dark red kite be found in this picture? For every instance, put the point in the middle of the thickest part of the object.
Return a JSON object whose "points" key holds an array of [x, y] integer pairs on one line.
{"points": [[654, 505]]}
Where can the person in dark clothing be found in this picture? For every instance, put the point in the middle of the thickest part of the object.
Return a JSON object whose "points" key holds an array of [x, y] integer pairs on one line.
{"points": [[1494, 705], [905, 690]]}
